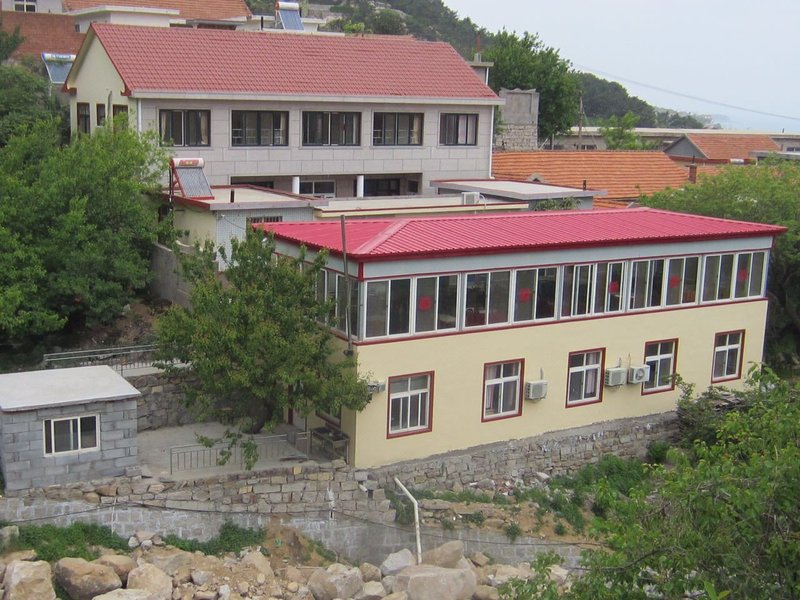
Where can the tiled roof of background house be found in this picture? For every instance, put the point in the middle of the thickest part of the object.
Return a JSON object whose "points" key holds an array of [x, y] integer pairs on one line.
{"points": [[483, 234], [43, 32], [264, 63], [720, 146], [203, 10], [623, 174]]}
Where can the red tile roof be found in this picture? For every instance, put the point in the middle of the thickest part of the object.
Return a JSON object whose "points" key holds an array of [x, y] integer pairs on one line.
{"points": [[43, 32], [262, 63], [623, 174], [485, 234], [728, 146], [203, 10]]}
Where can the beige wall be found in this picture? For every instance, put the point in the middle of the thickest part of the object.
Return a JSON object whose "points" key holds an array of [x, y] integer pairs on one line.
{"points": [[458, 364], [201, 224], [94, 81], [326, 162]]}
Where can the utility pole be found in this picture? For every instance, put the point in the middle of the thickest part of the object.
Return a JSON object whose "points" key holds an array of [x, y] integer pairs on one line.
{"points": [[580, 124]]}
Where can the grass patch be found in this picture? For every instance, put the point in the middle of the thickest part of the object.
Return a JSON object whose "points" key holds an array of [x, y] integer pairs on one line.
{"points": [[322, 551], [476, 518], [403, 509], [512, 531], [79, 540], [231, 538]]}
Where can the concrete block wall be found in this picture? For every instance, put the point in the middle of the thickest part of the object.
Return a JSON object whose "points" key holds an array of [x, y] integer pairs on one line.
{"points": [[26, 466]]}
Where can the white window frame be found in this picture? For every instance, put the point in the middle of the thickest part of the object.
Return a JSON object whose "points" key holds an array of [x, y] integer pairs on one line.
{"points": [[581, 371], [79, 449], [655, 361], [487, 304], [498, 383], [724, 349], [420, 395]]}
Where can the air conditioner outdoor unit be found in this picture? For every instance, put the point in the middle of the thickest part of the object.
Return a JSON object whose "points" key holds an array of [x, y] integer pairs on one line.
{"points": [[535, 390], [638, 374], [470, 198], [615, 376], [373, 387]]}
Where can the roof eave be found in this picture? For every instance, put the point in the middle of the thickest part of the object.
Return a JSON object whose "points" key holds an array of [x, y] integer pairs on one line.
{"points": [[173, 95]]}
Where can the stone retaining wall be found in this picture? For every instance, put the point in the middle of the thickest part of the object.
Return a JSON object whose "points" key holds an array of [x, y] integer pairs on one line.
{"points": [[161, 402]]}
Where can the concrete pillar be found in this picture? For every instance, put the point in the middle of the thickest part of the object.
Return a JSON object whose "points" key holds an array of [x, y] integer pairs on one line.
{"points": [[360, 186], [296, 184]]}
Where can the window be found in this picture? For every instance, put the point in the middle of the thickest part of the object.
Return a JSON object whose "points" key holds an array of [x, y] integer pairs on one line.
{"points": [[436, 303], [319, 189], [397, 129], [535, 294], [271, 219], [259, 128], [185, 127], [25, 5], [118, 109], [594, 288], [388, 307], [332, 287], [487, 299], [389, 186], [101, 114], [84, 117], [458, 130], [717, 277], [647, 283], [502, 390], [70, 435], [682, 276], [410, 404], [331, 129], [585, 383], [661, 358], [749, 275], [728, 356]]}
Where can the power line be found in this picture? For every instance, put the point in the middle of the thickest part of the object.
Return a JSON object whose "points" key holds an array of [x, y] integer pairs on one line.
{"points": [[689, 96]]}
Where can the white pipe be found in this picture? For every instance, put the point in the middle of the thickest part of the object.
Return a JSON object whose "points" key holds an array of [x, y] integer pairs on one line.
{"points": [[296, 184], [416, 517], [360, 186]]}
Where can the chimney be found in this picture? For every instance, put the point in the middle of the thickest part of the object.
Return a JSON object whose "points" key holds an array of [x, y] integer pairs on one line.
{"points": [[693, 173]]}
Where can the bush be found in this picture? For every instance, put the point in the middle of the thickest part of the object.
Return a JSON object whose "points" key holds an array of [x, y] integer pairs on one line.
{"points": [[79, 540], [512, 531], [559, 529], [476, 518], [231, 538], [657, 452]]}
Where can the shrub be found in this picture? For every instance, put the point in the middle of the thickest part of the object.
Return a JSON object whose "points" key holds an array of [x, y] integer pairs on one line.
{"points": [[512, 531], [657, 452], [231, 538]]}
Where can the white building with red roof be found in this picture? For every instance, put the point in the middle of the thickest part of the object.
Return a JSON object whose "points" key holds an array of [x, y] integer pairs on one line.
{"points": [[327, 115], [480, 329]]}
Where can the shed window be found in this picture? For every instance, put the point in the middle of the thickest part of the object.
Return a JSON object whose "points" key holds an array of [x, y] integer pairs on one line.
{"points": [[70, 435]]}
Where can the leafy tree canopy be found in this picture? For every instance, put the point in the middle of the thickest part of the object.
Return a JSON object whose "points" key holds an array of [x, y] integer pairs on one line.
{"points": [[253, 339], [25, 98], [603, 99], [526, 63], [77, 227], [720, 521], [9, 41], [619, 133], [764, 193]]}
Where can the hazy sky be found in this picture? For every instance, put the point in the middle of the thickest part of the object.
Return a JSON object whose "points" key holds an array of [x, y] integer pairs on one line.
{"points": [[743, 53]]}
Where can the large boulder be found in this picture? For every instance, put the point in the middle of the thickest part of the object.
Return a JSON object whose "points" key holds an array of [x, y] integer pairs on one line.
{"points": [[127, 595], [259, 562], [447, 555], [26, 580], [83, 580], [170, 560], [121, 564], [397, 561], [337, 581], [152, 579], [429, 582], [372, 590], [499, 574], [369, 572]]}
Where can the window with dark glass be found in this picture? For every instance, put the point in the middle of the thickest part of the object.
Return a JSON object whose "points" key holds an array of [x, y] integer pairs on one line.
{"points": [[397, 129], [320, 189], [647, 283], [259, 128], [101, 114], [682, 277], [458, 129], [84, 117], [331, 128], [185, 127], [660, 356], [70, 435], [436, 303], [733, 275], [487, 298], [118, 109], [388, 307]]}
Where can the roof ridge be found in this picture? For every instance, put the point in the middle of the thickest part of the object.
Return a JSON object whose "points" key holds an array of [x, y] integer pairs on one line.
{"points": [[383, 236]]}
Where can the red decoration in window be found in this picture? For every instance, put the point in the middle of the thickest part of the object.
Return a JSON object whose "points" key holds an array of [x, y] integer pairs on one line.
{"points": [[742, 275], [674, 281], [524, 294], [613, 287], [425, 303]]}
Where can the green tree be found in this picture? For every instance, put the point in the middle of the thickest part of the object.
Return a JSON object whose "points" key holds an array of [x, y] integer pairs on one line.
{"points": [[619, 133], [526, 63], [253, 339], [603, 99], [764, 193], [78, 222], [9, 41], [723, 520], [25, 98], [387, 22]]}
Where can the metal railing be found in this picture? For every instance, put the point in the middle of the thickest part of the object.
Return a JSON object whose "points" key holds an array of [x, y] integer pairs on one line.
{"points": [[194, 457], [120, 359]]}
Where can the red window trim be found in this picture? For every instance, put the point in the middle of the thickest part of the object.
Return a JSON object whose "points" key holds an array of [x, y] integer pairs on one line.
{"points": [[645, 392], [520, 391], [601, 381], [429, 428], [741, 356]]}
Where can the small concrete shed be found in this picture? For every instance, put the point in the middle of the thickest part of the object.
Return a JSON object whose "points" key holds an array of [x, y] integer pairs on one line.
{"points": [[66, 425]]}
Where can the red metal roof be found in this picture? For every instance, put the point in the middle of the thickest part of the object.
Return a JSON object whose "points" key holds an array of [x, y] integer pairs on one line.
{"points": [[731, 146], [43, 32], [176, 59], [623, 174], [487, 234], [202, 10]]}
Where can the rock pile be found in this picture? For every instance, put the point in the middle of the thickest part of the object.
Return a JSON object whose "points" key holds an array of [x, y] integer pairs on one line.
{"points": [[158, 572]]}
